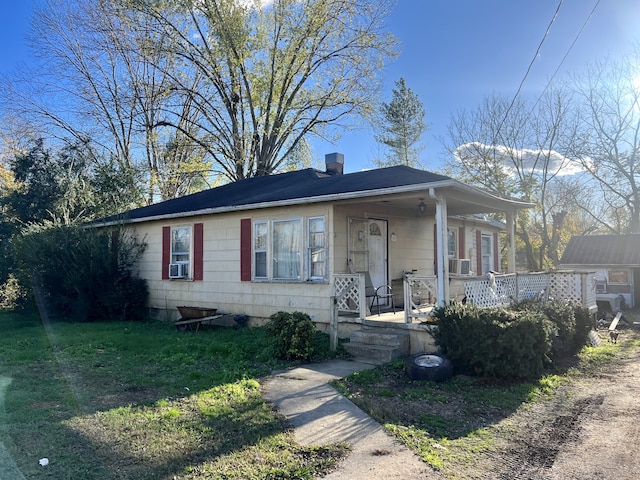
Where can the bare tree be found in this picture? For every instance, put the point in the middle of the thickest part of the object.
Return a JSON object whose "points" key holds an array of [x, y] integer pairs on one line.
{"points": [[272, 74], [610, 133], [100, 77], [515, 149]]}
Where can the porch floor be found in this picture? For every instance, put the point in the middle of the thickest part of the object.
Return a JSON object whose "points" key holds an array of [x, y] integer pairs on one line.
{"points": [[387, 315]]}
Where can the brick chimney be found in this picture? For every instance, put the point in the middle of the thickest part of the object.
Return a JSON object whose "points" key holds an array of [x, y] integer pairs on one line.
{"points": [[334, 163]]}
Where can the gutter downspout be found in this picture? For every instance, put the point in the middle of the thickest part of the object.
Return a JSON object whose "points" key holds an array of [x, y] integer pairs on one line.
{"points": [[442, 272], [511, 241]]}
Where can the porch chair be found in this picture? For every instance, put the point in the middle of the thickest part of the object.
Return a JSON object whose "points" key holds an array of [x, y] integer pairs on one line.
{"points": [[381, 292]]}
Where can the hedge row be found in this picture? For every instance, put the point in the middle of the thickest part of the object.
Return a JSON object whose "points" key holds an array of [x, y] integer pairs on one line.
{"points": [[83, 274], [517, 343]]}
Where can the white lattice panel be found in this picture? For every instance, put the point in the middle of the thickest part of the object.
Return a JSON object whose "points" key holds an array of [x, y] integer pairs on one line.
{"points": [[533, 286], [347, 292], [485, 292], [566, 287]]}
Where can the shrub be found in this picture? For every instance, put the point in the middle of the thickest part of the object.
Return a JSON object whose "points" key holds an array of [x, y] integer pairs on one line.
{"points": [[12, 293], [584, 324], [293, 334], [83, 274], [494, 342], [571, 324]]}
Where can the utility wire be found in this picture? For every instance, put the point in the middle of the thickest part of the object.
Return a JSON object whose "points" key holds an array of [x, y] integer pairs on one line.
{"points": [[513, 101], [584, 25]]}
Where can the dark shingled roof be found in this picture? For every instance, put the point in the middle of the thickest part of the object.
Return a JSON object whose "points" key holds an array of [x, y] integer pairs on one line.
{"points": [[622, 250], [285, 186]]}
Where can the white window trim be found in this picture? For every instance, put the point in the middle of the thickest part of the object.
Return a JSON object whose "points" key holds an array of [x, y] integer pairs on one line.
{"points": [[305, 249], [266, 251], [189, 253], [491, 251], [300, 251], [454, 231], [308, 261]]}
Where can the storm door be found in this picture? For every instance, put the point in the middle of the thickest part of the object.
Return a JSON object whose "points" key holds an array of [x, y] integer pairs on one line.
{"points": [[368, 248]]}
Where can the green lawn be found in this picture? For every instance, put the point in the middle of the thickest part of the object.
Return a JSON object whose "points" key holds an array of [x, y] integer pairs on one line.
{"points": [[141, 401]]}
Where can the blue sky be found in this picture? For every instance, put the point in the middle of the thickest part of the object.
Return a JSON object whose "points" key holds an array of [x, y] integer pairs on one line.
{"points": [[453, 54]]}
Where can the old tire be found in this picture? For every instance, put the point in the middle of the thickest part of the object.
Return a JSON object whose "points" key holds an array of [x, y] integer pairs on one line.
{"points": [[429, 366]]}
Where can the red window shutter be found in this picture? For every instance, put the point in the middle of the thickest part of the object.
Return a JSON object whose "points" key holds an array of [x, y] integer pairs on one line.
{"points": [[198, 251], [461, 245], [496, 263], [478, 252], [245, 250], [166, 252]]}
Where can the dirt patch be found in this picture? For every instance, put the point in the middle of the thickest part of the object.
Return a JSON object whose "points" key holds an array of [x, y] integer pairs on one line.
{"points": [[589, 429]]}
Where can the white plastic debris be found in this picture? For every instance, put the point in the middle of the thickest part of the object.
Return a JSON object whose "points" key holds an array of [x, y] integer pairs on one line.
{"points": [[44, 462]]}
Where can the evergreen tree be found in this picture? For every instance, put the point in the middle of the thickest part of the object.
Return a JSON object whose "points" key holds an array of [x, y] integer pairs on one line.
{"points": [[400, 125]]}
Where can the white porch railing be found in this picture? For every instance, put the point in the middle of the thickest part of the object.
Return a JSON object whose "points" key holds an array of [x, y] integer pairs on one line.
{"points": [[577, 288], [421, 293], [349, 291], [420, 296]]}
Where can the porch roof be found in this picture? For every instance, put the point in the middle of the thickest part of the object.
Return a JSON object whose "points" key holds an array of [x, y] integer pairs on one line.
{"points": [[399, 184]]}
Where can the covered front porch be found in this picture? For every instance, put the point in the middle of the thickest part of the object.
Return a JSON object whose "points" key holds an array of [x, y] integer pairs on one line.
{"points": [[412, 320]]}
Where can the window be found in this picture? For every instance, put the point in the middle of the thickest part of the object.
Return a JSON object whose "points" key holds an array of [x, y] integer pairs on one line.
{"points": [[316, 259], [487, 253], [619, 276], [260, 249], [182, 252], [291, 249], [287, 243], [452, 243]]}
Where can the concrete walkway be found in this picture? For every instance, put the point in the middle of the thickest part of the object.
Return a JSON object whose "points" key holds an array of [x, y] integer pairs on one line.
{"points": [[320, 415]]}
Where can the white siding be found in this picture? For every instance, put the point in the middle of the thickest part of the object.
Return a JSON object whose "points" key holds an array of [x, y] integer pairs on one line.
{"points": [[221, 286]]}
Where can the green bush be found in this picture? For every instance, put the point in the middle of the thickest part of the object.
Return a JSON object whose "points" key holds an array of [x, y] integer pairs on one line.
{"points": [[494, 342], [520, 342], [571, 325], [83, 274], [293, 335], [584, 324]]}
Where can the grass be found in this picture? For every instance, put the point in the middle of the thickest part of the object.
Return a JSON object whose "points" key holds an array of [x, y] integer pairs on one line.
{"points": [[448, 424], [142, 401]]}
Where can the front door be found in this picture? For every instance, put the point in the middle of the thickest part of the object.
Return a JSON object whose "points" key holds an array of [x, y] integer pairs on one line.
{"points": [[368, 248], [378, 252]]}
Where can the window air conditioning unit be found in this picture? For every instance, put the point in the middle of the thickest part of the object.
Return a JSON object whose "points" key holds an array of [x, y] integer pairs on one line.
{"points": [[465, 266], [460, 266], [178, 270]]}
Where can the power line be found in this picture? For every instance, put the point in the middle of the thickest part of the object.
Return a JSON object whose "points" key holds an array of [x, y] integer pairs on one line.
{"points": [[584, 25], [524, 78]]}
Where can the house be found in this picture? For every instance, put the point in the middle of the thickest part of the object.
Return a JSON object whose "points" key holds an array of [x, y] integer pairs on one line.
{"points": [[614, 260], [281, 242]]}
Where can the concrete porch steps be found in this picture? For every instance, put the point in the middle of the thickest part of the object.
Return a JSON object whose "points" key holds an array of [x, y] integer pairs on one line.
{"points": [[378, 345]]}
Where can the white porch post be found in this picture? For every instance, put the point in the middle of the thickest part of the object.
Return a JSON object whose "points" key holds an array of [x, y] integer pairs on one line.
{"points": [[511, 242], [442, 248]]}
